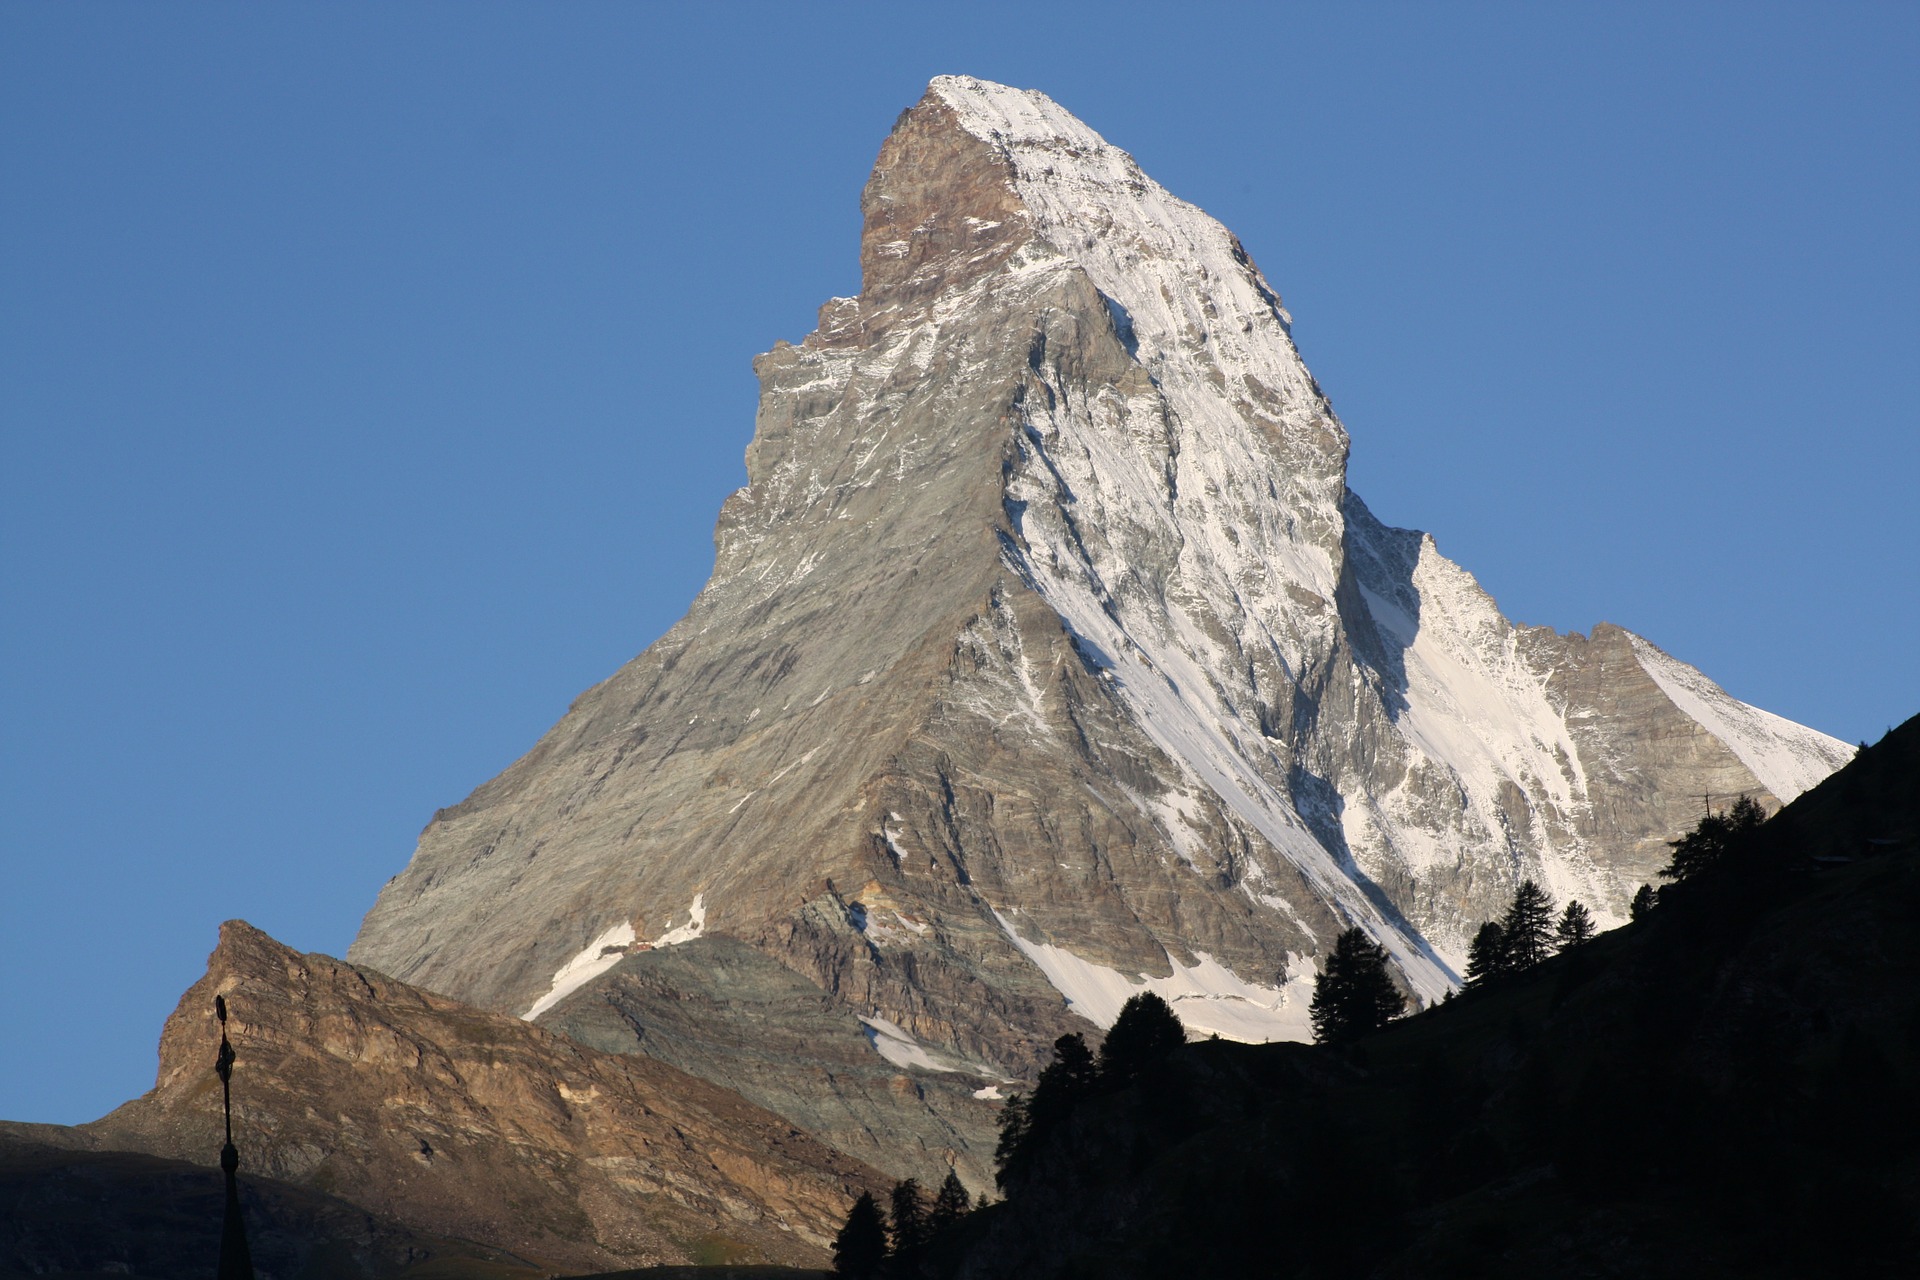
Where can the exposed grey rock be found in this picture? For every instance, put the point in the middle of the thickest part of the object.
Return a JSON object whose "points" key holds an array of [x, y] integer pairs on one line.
{"points": [[725, 1011], [1046, 655]]}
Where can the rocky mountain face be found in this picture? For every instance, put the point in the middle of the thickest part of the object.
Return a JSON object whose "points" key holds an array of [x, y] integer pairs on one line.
{"points": [[467, 1125], [1046, 658]]}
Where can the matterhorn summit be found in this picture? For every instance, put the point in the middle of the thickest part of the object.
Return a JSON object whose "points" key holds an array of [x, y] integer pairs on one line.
{"points": [[1047, 658]]}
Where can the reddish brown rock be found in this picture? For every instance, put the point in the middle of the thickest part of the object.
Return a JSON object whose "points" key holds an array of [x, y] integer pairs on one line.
{"points": [[479, 1126]]}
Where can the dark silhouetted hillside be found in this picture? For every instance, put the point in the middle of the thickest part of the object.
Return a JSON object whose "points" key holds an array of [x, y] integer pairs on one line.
{"points": [[68, 1211], [1723, 1088]]}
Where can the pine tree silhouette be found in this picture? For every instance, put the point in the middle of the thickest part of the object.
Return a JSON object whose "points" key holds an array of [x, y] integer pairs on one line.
{"points": [[1146, 1031], [1644, 899], [1574, 928], [1007, 1160], [910, 1227], [860, 1250], [1487, 954], [1067, 1079], [1708, 844], [1354, 994], [1527, 931], [1025, 1123], [1064, 1083], [949, 1206]]}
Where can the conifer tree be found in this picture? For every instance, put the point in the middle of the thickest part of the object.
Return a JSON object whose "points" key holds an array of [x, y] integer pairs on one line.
{"points": [[1067, 1079], [949, 1206], [1708, 844], [1574, 928], [1643, 901], [910, 1229], [1527, 931], [860, 1250], [1487, 954], [1013, 1138], [1025, 1123], [1146, 1031], [1354, 994]]}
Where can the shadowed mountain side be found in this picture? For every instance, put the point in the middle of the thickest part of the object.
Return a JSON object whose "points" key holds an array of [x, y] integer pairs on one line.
{"points": [[1725, 1088], [478, 1125], [711, 1273], [71, 1210]]}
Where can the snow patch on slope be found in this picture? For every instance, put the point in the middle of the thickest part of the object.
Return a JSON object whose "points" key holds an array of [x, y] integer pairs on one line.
{"points": [[592, 960], [605, 951], [695, 926], [899, 1048], [896, 1045], [1787, 758], [1210, 998]]}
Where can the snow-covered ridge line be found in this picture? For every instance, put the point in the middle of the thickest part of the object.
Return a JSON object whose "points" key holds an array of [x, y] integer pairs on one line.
{"points": [[1246, 490], [1203, 320], [1786, 757], [1475, 707], [1473, 703], [1095, 206]]}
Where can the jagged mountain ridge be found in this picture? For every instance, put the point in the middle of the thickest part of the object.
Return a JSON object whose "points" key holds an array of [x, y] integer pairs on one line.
{"points": [[1047, 655]]}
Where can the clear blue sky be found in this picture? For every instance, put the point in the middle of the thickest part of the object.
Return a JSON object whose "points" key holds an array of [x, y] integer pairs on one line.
{"points": [[370, 377]]}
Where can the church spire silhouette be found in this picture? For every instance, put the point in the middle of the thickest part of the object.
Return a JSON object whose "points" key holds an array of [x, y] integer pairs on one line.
{"points": [[236, 1263]]}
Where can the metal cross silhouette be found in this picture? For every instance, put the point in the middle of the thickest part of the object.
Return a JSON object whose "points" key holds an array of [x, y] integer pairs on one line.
{"points": [[236, 1262]]}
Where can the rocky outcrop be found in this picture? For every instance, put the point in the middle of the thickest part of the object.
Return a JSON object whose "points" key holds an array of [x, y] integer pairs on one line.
{"points": [[1047, 658], [479, 1126]]}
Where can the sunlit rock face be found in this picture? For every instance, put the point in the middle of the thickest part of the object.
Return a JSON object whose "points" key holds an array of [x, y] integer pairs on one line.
{"points": [[477, 1126], [1046, 658]]}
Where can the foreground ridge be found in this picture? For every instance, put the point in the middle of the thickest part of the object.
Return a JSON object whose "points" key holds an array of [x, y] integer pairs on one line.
{"points": [[1722, 1088]]}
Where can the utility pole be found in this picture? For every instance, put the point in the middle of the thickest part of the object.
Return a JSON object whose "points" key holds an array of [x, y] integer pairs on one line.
{"points": [[236, 1263]]}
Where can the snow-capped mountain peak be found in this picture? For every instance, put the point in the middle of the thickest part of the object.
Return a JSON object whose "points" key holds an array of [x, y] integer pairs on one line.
{"points": [[1048, 658]]}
